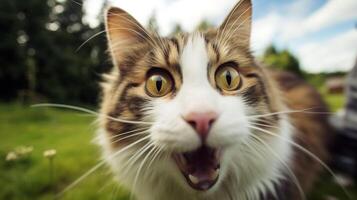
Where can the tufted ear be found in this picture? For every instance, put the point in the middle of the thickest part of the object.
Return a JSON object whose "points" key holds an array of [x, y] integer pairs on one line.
{"points": [[124, 34], [237, 25]]}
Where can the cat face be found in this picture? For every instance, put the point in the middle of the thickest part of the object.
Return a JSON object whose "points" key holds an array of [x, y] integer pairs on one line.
{"points": [[191, 104]]}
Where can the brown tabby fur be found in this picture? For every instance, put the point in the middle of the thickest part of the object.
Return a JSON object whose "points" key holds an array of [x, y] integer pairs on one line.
{"points": [[314, 133], [124, 91]]}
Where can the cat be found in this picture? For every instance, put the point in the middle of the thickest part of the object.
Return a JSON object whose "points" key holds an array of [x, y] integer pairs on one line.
{"points": [[195, 117]]}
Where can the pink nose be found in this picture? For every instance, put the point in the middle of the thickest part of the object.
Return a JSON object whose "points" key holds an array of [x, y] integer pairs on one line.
{"points": [[201, 122]]}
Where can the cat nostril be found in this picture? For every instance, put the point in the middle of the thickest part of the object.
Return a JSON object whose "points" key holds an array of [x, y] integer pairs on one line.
{"points": [[201, 122], [192, 123], [211, 121]]}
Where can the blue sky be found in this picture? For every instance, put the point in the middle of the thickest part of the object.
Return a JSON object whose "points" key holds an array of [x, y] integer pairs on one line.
{"points": [[321, 33]]}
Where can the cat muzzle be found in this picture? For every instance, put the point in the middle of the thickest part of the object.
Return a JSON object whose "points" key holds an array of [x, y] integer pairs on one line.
{"points": [[200, 167]]}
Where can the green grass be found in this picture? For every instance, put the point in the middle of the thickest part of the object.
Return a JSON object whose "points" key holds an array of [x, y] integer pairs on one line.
{"points": [[71, 133], [334, 101]]}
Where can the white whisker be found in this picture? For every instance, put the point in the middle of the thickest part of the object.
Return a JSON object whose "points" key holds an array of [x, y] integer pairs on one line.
{"points": [[290, 171], [305, 111], [125, 133], [76, 2], [264, 125], [130, 136], [89, 112], [96, 167], [307, 152], [142, 163], [133, 159], [89, 39], [156, 154]]}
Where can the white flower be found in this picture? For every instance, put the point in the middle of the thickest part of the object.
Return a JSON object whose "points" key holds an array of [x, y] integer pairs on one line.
{"points": [[50, 153], [11, 156], [24, 150]]}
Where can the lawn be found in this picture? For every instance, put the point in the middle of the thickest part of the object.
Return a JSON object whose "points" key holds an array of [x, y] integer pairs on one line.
{"points": [[70, 134]]}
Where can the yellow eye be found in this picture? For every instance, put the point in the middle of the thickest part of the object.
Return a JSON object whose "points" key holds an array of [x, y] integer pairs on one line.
{"points": [[158, 84], [228, 78]]}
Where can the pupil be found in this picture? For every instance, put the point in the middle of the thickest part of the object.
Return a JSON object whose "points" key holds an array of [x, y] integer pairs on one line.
{"points": [[159, 84], [229, 78]]}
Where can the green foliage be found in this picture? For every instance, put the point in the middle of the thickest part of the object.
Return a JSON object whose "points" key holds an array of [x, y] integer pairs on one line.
{"points": [[152, 24], [39, 56], [177, 29], [70, 133], [334, 101], [318, 80], [14, 55], [204, 26], [281, 60]]}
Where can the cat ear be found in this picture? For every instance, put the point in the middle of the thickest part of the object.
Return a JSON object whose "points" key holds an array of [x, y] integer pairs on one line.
{"points": [[237, 25], [124, 34]]}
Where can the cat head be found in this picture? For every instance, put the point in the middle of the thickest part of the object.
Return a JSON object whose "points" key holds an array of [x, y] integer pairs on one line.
{"points": [[189, 110]]}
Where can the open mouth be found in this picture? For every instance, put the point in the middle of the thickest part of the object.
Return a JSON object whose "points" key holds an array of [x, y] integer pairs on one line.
{"points": [[200, 167]]}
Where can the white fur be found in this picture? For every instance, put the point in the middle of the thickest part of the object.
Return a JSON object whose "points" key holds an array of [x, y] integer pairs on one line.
{"points": [[246, 174]]}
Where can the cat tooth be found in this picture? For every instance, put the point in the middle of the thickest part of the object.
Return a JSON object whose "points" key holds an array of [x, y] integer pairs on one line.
{"points": [[193, 179], [215, 174]]}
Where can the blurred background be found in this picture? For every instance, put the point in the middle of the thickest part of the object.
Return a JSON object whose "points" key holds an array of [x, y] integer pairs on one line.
{"points": [[54, 51]]}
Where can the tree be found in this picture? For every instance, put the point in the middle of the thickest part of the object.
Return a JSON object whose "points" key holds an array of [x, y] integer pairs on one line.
{"points": [[177, 29], [71, 75], [204, 26], [282, 60], [39, 51], [20, 21], [152, 24]]}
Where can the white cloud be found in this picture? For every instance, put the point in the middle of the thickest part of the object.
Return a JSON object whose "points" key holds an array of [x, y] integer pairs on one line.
{"points": [[284, 25], [187, 13], [264, 31], [275, 24], [331, 13], [292, 26], [335, 53], [338, 53], [298, 8]]}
